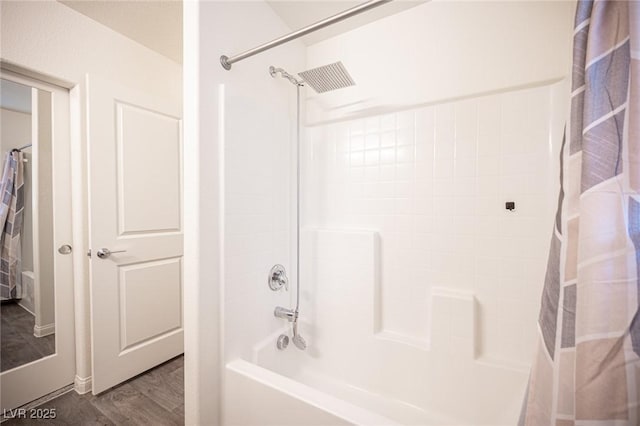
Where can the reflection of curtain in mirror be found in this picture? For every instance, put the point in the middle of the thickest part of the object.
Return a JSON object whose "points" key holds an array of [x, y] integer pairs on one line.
{"points": [[11, 212]]}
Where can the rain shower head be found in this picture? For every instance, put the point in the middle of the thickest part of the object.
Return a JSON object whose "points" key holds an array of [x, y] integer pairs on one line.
{"points": [[328, 77]]}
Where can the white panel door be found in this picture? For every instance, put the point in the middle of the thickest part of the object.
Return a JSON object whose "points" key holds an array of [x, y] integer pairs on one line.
{"points": [[135, 202]]}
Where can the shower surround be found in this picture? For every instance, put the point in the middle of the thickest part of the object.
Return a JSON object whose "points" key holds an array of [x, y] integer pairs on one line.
{"points": [[433, 182], [420, 290], [415, 277]]}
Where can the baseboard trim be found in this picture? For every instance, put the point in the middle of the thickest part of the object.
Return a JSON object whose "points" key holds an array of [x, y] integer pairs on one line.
{"points": [[82, 385], [26, 309], [38, 402], [44, 330]]}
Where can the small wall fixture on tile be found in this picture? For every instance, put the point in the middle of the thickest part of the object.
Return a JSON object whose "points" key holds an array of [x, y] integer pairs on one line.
{"points": [[510, 205]]}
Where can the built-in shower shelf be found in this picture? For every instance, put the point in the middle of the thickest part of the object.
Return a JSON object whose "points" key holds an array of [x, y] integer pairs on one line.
{"points": [[390, 336]]}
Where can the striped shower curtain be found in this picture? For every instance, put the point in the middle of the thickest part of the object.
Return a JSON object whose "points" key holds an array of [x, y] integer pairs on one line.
{"points": [[586, 370], [11, 213]]}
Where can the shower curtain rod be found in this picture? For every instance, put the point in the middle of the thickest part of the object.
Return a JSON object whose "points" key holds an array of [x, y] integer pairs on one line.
{"points": [[227, 61]]}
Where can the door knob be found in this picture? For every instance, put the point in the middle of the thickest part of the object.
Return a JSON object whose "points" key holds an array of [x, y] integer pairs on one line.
{"points": [[64, 249], [104, 253]]}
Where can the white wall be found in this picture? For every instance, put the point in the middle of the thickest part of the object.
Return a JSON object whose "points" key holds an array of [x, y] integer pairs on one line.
{"points": [[444, 50], [42, 130], [55, 41], [238, 179]]}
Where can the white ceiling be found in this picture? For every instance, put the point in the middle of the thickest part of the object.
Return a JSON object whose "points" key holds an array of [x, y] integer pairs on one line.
{"points": [[14, 96], [300, 13], [157, 24]]}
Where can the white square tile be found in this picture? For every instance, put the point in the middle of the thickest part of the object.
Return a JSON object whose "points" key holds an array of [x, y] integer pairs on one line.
{"points": [[405, 206], [387, 172], [405, 137], [405, 171], [357, 158], [443, 169], [406, 119], [405, 154], [388, 122], [487, 186], [424, 152], [372, 157], [424, 205], [356, 143], [443, 187], [356, 127], [356, 174], [489, 166], [386, 189], [371, 173], [466, 147], [466, 120], [465, 167], [425, 125], [372, 141], [464, 206], [444, 149], [424, 171], [404, 189], [423, 224], [372, 124], [445, 124], [388, 139], [387, 156]]}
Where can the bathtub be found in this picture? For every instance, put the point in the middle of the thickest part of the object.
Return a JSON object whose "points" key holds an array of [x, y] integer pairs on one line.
{"points": [[356, 371], [303, 397], [283, 388], [27, 301]]}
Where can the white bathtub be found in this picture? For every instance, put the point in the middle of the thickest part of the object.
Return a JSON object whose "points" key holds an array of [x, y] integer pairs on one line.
{"points": [[258, 396], [279, 390], [356, 372]]}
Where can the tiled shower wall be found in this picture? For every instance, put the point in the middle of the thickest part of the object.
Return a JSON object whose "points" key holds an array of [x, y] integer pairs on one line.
{"points": [[433, 181]]}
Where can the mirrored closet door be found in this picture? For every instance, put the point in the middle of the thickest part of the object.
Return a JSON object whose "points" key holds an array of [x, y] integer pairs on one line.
{"points": [[36, 270]]}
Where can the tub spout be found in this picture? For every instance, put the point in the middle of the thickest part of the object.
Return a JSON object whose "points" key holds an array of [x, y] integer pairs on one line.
{"points": [[285, 313]]}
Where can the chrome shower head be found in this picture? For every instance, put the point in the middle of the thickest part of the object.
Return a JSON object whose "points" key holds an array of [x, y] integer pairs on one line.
{"points": [[275, 71], [328, 77]]}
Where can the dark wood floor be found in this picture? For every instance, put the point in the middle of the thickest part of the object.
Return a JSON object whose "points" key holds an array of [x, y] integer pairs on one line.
{"points": [[153, 398], [18, 345]]}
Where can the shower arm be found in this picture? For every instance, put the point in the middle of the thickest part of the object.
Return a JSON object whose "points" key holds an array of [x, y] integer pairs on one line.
{"points": [[227, 61], [275, 71]]}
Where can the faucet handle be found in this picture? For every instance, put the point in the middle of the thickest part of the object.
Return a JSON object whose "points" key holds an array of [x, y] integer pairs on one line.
{"points": [[278, 278]]}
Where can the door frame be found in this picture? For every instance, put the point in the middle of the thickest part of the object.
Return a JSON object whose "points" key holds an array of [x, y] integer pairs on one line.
{"points": [[24, 383], [79, 215]]}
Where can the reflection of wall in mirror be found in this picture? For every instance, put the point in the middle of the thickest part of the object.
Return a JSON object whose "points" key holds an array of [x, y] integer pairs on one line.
{"points": [[16, 132], [43, 214]]}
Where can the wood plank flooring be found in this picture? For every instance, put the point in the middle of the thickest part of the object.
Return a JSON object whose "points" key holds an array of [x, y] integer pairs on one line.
{"points": [[18, 345], [153, 398]]}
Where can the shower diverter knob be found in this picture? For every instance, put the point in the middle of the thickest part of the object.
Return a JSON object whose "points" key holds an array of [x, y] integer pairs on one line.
{"points": [[278, 278]]}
